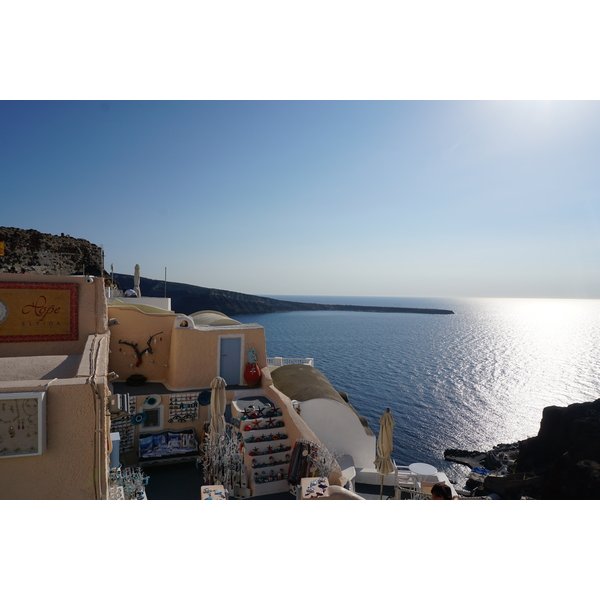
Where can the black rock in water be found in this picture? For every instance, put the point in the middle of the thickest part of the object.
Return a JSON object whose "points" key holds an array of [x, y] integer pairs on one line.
{"points": [[565, 454]]}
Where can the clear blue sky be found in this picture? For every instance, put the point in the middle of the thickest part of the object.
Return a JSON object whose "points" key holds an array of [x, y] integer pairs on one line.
{"points": [[381, 198]]}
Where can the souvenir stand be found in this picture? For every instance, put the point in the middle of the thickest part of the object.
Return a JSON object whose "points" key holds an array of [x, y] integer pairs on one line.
{"points": [[155, 427], [266, 445], [311, 464], [222, 461]]}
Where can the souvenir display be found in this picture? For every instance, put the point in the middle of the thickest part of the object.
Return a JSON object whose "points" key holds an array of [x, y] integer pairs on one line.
{"points": [[222, 462], [316, 488], [125, 427], [253, 412], [152, 401], [310, 459], [266, 438], [139, 418], [167, 444], [269, 450], [213, 493], [183, 407], [140, 353], [22, 424], [266, 477], [127, 484]]}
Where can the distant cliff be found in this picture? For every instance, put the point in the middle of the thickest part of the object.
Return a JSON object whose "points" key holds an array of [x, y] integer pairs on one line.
{"points": [[46, 254], [188, 299], [30, 251]]}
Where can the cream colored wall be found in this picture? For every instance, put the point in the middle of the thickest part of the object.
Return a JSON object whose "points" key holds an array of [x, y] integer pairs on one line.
{"points": [[181, 358], [73, 467], [92, 312], [195, 356], [136, 327]]}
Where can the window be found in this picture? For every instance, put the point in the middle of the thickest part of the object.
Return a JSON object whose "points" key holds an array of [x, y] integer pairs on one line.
{"points": [[154, 419]]}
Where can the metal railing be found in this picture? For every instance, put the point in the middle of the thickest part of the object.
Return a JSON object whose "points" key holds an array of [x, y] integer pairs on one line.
{"points": [[278, 361]]}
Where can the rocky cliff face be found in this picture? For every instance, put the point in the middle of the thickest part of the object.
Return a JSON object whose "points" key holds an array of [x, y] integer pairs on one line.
{"points": [[46, 254], [566, 451]]}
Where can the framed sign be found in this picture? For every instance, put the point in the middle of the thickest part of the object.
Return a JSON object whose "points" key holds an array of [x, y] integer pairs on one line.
{"points": [[22, 424], [38, 312]]}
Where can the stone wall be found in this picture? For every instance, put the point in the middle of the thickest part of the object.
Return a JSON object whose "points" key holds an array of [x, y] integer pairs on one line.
{"points": [[38, 253]]}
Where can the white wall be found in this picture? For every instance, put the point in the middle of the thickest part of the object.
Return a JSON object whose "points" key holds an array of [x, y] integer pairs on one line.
{"points": [[338, 427]]}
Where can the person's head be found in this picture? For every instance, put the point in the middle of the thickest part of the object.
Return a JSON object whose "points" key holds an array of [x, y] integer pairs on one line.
{"points": [[440, 491]]}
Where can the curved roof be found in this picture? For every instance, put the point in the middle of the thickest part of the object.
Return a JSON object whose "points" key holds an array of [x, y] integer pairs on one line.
{"points": [[146, 308], [212, 317], [303, 382]]}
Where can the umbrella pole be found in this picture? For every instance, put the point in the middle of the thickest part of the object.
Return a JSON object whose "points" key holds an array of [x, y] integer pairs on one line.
{"points": [[381, 489]]}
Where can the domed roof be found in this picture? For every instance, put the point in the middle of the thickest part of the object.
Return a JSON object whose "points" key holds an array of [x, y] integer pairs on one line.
{"points": [[212, 317]]}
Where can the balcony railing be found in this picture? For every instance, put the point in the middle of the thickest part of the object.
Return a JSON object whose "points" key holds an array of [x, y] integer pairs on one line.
{"points": [[280, 362]]}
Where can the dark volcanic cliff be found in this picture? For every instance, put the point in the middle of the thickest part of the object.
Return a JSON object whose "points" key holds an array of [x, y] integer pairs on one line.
{"points": [[46, 254], [191, 298]]}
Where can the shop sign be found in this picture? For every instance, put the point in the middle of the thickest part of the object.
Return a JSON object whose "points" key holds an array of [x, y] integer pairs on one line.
{"points": [[32, 312]]}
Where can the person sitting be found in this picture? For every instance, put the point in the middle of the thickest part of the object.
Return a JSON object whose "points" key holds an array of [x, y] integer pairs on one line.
{"points": [[440, 491]]}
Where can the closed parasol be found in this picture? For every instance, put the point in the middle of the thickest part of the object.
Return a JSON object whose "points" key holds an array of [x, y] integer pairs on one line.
{"points": [[217, 408], [136, 281], [385, 444]]}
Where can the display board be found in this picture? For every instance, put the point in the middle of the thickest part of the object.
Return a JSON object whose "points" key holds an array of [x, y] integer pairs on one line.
{"points": [[22, 424]]}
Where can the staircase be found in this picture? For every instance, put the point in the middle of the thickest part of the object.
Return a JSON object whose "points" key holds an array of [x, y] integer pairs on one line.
{"points": [[267, 450]]}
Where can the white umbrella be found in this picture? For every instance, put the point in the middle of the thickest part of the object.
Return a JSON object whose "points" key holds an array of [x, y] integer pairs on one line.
{"points": [[136, 281], [217, 408], [385, 444]]}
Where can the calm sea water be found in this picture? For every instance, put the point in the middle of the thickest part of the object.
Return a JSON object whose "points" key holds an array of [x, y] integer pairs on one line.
{"points": [[470, 380]]}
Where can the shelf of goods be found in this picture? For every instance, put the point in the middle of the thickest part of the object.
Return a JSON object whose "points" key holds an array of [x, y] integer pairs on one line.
{"points": [[167, 446], [267, 451]]}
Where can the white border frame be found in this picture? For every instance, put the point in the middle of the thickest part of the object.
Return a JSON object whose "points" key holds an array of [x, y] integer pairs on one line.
{"points": [[41, 437], [161, 418]]}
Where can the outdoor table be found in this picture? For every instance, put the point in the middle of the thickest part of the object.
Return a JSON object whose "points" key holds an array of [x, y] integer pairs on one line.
{"points": [[213, 492], [422, 470], [307, 494]]}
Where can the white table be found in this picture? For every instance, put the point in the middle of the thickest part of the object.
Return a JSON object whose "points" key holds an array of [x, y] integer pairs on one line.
{"points": [[422, 470]]}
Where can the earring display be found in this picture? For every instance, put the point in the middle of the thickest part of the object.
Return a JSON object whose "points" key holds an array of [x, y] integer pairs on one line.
{"points": [[183, 407], [22, 424], [125, 427]]}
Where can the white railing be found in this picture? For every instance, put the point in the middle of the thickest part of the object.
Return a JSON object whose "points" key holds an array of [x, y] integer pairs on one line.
{"points": [[279, 362]]}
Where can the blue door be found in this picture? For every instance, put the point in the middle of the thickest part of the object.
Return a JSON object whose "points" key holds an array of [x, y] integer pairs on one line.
{"points": [[231, 352]]}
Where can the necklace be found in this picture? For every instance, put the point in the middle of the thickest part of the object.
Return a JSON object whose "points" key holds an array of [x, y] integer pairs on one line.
{"points": [[12, 410]]}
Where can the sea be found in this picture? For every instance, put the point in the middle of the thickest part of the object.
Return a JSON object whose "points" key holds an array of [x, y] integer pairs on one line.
{"points": [[471, 380]]}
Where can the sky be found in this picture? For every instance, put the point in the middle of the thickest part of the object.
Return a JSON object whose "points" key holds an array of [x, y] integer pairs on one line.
{"points": [[400, 149], [365, 198]]}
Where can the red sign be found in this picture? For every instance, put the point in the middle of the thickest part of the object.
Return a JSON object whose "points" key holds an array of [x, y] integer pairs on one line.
{"points": [[38, 312]]}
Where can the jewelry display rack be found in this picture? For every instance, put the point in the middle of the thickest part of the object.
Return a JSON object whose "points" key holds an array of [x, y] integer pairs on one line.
{"points": [[22, 424]]}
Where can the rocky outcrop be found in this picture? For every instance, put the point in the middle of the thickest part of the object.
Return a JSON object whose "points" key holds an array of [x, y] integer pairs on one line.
{"points": [[28, 250], [563, 460], [566, 452]]}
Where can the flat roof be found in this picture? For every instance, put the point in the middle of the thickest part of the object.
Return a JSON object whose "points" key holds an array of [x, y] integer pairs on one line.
{"points": [[28, 368]]}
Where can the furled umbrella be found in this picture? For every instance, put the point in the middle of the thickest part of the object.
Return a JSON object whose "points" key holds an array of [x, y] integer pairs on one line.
{"points": [[136, 281], [385, 444], [217, 409]]}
